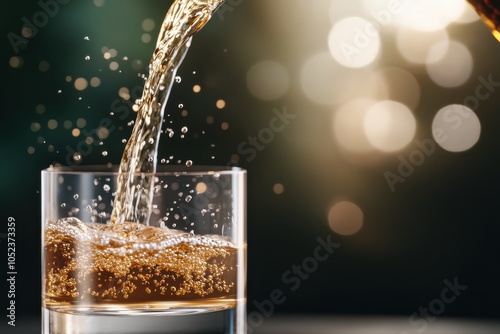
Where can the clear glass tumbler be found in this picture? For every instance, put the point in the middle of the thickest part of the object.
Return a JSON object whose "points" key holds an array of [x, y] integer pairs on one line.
{"points": [[183, 272]]}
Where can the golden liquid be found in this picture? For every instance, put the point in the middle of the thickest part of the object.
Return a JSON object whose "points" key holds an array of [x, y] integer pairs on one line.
{"points": [[489, 10], [135, 191], [96, 267]]}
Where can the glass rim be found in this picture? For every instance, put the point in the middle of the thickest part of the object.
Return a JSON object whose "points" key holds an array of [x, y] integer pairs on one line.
{"points": [[161, 170]]}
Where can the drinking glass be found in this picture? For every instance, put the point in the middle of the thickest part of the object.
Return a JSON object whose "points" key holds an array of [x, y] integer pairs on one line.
{"points": [[184, 271]]}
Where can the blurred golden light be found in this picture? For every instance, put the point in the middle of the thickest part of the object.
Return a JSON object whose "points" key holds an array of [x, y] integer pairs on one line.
{"points": [[278, 188], [389, 125], [354, 42], [81, 84], [414, 45], [43, 66], [146, 38], [431, 15], [102, 133], [224, 126], [95, 82], [75, 132], [124, 93], [31, 150], [35, 127], [345, 218], [113, 66], [201, 187], [67, 125], [454, 68], [324, 81], [456, 128], [268, 80], [81, 123], [196, 88], [148, 24], [348, 126], [52, 124], [220, 104], [40, 109]]}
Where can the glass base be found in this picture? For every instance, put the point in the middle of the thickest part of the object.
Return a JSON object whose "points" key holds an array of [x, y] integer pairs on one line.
{"points": [[230, 321]]}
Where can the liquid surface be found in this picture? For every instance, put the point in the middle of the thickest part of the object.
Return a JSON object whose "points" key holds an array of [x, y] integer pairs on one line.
{"points": [[89, 265]]}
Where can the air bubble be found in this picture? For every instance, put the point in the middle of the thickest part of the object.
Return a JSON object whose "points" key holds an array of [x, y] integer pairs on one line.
{"points": [[189, 163], [87, 57], [96, 182], [181, 106], [124, 141], [88, 208], [76, 196], [104, 153], [178, 79], [151, 141], [189, 198], [184, 130], [87, 38], [63, 205], [77, 156], [106, 188]]}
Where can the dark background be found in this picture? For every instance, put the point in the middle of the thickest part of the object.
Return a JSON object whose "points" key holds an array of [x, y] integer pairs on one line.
{"points": [[441, 223]]}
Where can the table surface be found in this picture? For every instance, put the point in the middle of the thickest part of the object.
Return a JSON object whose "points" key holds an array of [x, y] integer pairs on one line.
{"points": [[305, 324]]}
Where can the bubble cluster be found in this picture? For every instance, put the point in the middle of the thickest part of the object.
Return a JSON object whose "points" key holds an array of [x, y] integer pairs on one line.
{"points": [[102, 264]]}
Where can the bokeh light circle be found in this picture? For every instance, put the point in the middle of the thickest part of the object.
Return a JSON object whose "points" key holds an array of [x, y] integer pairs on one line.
{"points": [[454, 68], [456, 128], [389, 125], [354, 42], [268, 80], [345, 218]]}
